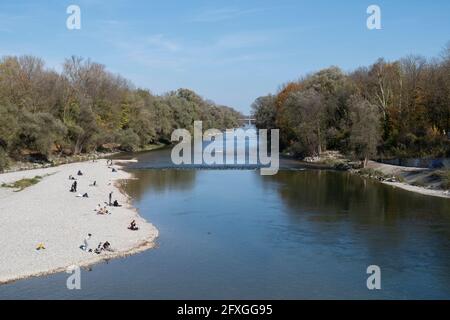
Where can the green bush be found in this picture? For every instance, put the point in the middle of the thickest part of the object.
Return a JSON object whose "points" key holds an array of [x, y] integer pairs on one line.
{"points": [[129, 141]]}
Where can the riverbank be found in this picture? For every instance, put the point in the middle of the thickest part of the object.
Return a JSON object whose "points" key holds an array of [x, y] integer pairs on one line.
{"points": [[61, 160], [424, 181], [419, 180], [47, 213]]}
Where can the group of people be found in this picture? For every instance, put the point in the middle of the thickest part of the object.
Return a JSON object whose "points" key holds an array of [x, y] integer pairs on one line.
{"points": [[106, 246], [110, 163], [114, 203], [102, 246], [101, 210], [74, 186]]}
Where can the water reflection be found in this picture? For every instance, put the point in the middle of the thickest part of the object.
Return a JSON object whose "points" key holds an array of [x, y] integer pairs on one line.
{"points": [[333, 195], [159, 181], [402, 231], [235, 234], [336, 218]]}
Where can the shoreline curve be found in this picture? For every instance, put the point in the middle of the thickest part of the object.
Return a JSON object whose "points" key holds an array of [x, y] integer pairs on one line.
{"points": [[37, 214]]}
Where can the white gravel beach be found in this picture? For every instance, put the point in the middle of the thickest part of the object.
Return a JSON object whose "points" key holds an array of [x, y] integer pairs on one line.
{"points": [[388, 169], [48, 213]]}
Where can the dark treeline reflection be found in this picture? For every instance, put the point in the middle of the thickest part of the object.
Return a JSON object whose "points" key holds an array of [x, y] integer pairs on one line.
{"points": [[328, 196], [159, 181], [397, 229]]}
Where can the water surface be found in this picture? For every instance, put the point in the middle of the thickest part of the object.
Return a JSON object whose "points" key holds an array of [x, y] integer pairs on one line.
{"points": [[299, 234]]}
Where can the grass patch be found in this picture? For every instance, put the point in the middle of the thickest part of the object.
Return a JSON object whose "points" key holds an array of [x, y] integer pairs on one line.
{"points": [[372, 173], [22, 184], [378, 175]]}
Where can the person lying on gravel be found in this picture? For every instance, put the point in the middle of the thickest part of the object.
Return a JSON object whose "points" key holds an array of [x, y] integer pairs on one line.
{"points": [[85, 245], [82, 195], [102, 211]]}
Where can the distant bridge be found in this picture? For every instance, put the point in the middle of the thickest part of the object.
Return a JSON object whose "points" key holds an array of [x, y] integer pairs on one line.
{"points": [[247, 120]]}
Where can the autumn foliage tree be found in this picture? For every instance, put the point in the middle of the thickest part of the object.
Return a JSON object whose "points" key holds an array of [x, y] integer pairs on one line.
{"points": [[389, 109], [86, 108]]}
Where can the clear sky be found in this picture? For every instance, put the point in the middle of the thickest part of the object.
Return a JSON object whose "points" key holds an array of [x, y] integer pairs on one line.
{"points": [[228, 51]]}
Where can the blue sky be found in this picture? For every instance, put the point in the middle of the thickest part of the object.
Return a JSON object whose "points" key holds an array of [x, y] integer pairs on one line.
{"points": [[228, 51]]}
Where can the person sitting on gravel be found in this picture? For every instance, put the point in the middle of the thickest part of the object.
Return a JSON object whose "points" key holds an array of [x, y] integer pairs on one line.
{"points": [[99, 248], [103, 247], [107, 247], [72, 177], [74, 187], [133, 226], [116, 204], [80, 173], [114, 170]]}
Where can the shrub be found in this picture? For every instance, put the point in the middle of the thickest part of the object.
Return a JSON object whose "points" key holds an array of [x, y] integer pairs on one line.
{"points": [[129, 141]]}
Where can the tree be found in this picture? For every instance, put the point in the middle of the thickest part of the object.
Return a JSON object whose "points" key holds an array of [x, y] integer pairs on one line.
{"points": [[365, 130], [264, 111], [306, 116], [38, 133]]}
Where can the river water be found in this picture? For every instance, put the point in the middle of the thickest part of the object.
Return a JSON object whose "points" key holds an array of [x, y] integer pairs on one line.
{"points": [[300, 234]]}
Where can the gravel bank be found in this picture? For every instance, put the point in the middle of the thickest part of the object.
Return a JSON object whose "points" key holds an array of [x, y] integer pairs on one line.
{"points": [[48, 213]]}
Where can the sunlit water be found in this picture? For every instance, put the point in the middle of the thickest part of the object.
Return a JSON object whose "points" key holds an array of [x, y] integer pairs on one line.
{"points": [[299, 234]]}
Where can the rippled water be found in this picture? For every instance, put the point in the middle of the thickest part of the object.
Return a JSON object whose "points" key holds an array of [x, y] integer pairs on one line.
{"points": [[299, 234]]}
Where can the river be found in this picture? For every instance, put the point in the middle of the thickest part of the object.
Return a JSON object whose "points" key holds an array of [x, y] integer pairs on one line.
{"points": [[301, 234]]}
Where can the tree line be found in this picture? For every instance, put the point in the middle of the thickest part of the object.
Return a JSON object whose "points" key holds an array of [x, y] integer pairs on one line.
{"points": [[389, 109], [85, 108]]}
